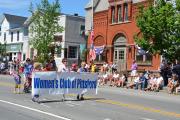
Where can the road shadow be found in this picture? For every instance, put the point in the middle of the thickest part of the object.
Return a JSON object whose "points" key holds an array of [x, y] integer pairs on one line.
{"points": [[92, 99], [64, 100]]}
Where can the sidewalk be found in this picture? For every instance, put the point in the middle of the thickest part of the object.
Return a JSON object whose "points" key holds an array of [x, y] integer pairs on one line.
{"points": [[163, 91]]}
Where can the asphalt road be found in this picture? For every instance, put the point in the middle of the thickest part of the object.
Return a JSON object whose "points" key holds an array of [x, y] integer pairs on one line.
{"points": [[110, 104]]}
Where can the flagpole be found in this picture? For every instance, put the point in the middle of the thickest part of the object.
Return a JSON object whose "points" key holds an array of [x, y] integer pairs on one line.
{"points": [[92, 26], [92, 34]]}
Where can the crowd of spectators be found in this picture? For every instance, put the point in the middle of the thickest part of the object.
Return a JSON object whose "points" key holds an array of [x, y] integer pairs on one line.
{"points": [[168, 75]]}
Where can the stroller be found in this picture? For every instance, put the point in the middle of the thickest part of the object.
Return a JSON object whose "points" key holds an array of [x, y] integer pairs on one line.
{"points": [[27, 84]]}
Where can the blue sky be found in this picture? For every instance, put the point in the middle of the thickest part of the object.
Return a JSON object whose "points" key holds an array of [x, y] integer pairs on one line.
{"points": [[20, 7]]}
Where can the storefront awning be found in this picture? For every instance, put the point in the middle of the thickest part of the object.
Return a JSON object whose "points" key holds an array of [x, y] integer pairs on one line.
{"points": [[14, 47]]}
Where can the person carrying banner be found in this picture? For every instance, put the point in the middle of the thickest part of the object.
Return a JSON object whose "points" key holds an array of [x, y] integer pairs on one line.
{"points": [[81, 70], [64, 68], [74, 67], [53, 64]]}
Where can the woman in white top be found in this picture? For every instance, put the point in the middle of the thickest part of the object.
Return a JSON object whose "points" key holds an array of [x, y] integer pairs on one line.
{"points": [[63, 67], [135, 82], [173, 84], [115, 78], [159, 82], [150, 82], [122, 81], [105, 78]]}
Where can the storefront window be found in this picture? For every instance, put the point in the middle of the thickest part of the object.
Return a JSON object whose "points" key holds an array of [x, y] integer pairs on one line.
{"points": [[100, 58], [72, 52], [82, 30]]}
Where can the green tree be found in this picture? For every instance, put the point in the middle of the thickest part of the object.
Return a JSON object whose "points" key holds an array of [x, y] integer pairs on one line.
{"points": [[44, 26], [160, 29], [2, 49]]}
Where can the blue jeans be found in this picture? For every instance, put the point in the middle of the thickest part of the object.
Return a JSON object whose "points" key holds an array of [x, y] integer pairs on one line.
{"points": [[143, 85], [136, 85]]}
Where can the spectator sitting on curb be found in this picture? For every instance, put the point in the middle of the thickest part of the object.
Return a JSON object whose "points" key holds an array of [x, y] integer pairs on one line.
{"points": [[159, 82], [135, 82], [173, 84]]}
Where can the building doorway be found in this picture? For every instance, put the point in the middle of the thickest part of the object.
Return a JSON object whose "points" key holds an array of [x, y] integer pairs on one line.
{"points": [[120, 52]]}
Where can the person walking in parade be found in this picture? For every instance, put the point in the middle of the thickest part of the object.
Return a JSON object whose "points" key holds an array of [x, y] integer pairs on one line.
{"points": [[64, 68], [82, 69], [28, 68]]}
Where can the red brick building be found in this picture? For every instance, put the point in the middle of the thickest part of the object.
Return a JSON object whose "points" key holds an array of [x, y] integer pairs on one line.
{"points": [[114, 27]]}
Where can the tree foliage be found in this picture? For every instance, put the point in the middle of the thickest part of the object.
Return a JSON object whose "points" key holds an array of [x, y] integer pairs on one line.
{"points": [[2, 49], [44, 26], [160, 29]]}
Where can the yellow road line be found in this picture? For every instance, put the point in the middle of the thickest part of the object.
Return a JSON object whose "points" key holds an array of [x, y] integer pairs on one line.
{"points": [[7, 84], [117, 103], [134, 106], [139, 107]]}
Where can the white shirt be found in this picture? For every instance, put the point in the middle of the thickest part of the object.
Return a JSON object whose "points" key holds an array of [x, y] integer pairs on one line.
{"points": [[2, 65], [123, 78], [159, 80], [105, 75], [115, 75], [87, 66], [63, 68], [136, 80], [105, 65]]}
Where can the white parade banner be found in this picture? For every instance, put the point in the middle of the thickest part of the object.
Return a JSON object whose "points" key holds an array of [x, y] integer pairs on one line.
{"points": [[55, 83]]}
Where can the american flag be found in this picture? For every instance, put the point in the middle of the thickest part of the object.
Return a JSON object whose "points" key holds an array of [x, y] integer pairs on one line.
{"points": [[92, 53], [92, 37]]}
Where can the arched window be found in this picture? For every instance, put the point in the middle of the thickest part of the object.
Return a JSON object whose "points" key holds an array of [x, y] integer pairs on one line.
{"points": [[99, 43], [119, 40]]}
